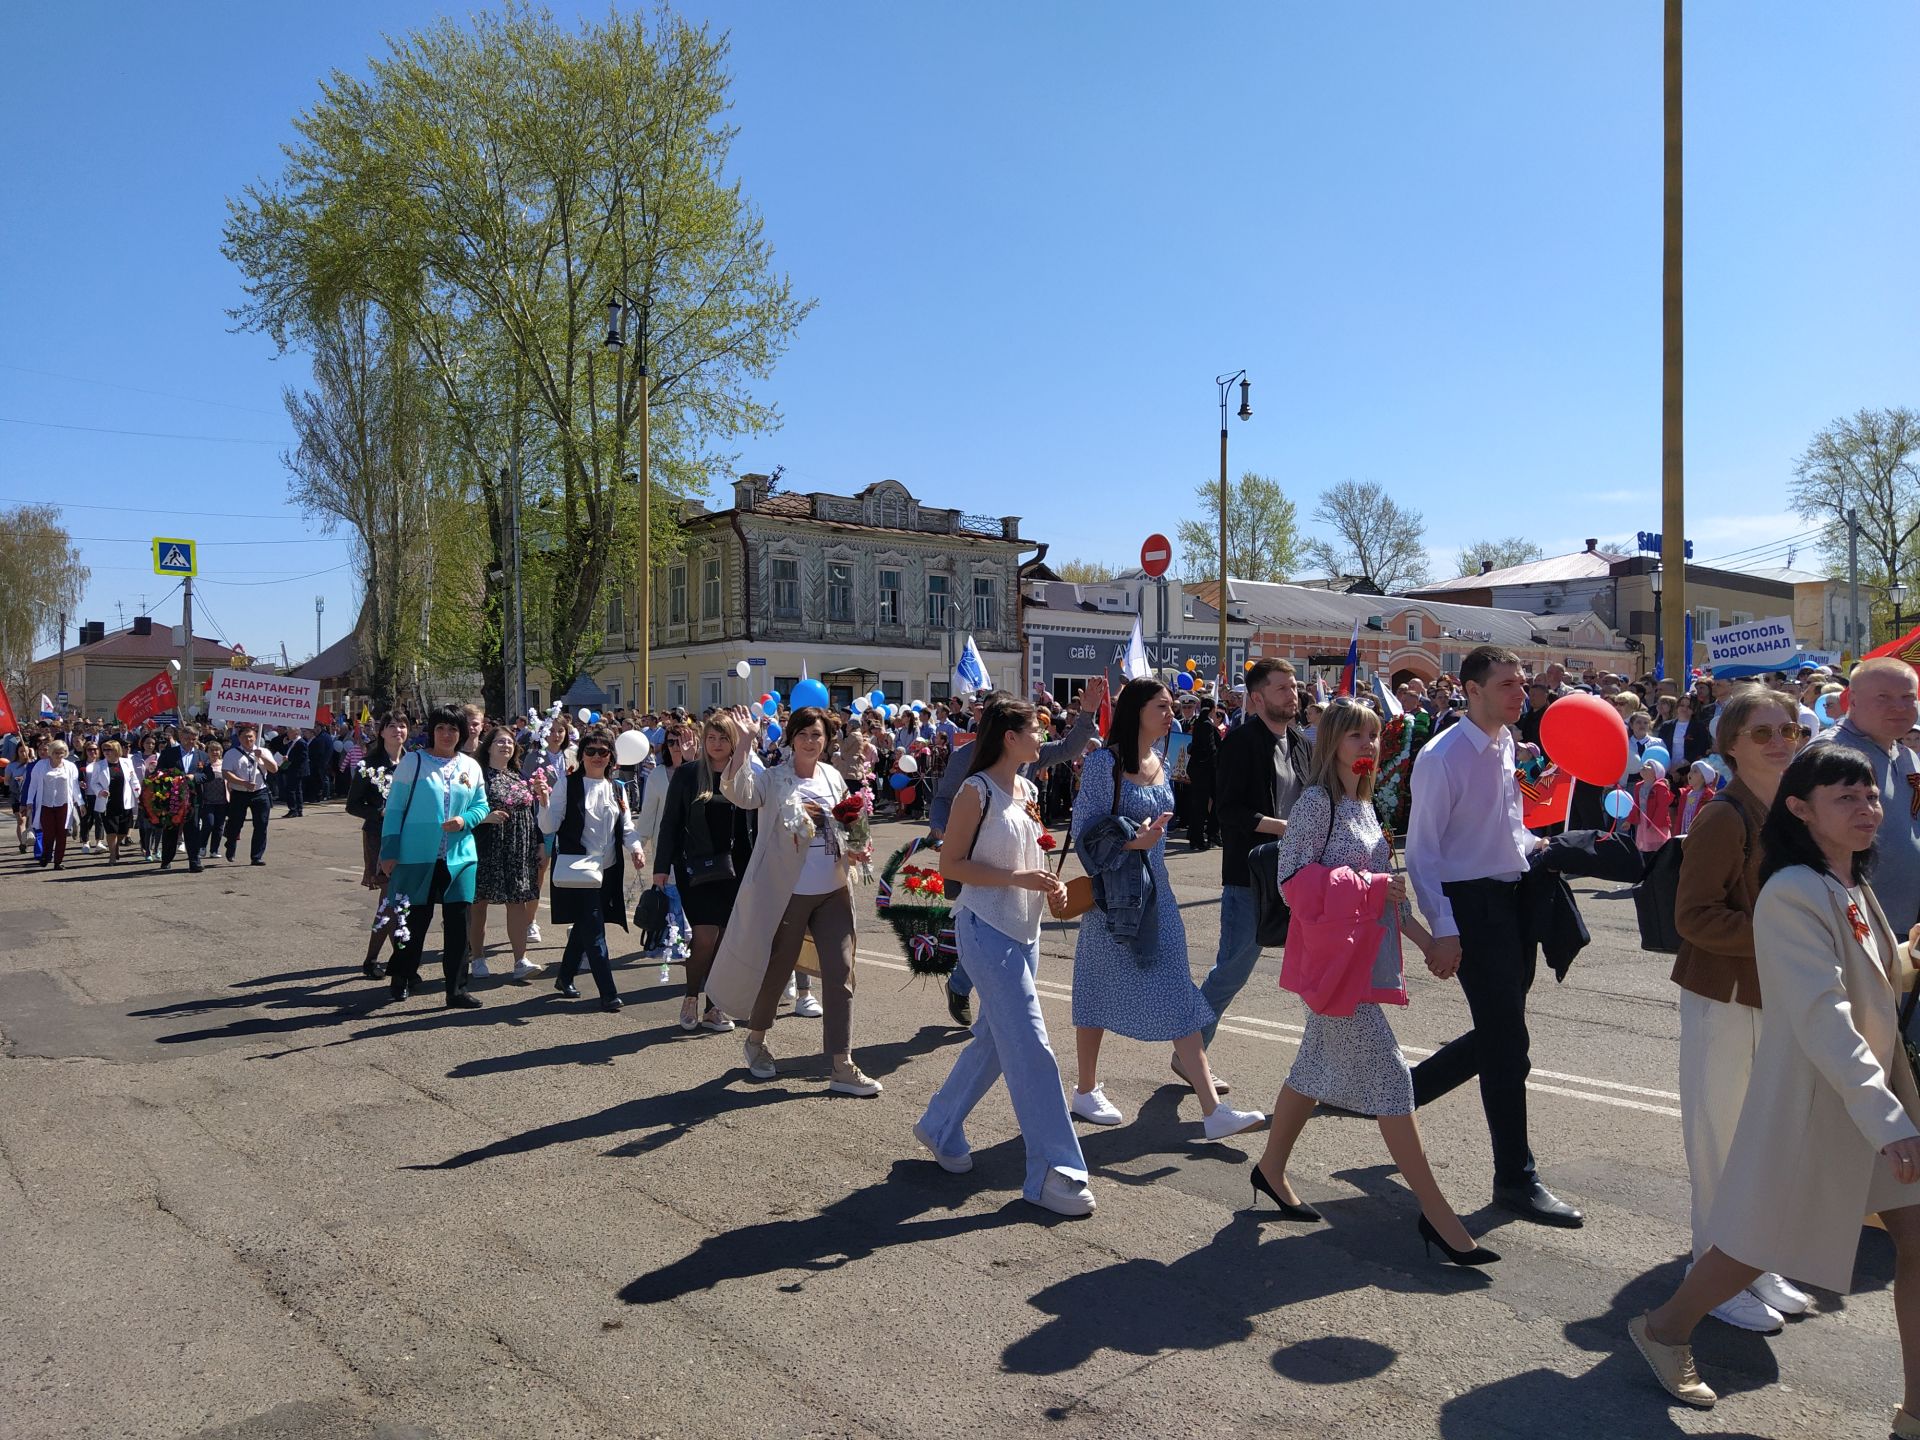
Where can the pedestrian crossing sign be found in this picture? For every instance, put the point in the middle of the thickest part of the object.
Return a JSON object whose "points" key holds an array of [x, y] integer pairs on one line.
{"points": [[173, 557]]}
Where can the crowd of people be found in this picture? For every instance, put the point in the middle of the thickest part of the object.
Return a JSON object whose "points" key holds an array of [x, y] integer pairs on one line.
{"points": [[748, 830]]}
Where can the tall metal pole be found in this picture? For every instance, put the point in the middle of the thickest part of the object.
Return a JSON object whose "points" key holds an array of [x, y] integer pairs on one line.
{"points": [[516, 685], [644, 616], [60, 657], [1673, 510], [1854, 637], [189, 682], [1221, 698]]}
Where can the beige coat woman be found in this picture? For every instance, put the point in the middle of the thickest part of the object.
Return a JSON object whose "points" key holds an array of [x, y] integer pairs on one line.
{"points": [[778, 854], [1830, 1086]]}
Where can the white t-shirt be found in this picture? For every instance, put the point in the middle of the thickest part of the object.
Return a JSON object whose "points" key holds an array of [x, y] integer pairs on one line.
{"points": [[821, 873]]}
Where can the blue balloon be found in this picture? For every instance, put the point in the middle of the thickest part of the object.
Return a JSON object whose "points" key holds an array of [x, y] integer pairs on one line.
{"points": [[810, 693], [900, 782], [1184, 680], [876, 698], [1823, 710], [774, 695], [1721, 768], [1660, 753], [1618, 804], [773, 732], [772, 707]]}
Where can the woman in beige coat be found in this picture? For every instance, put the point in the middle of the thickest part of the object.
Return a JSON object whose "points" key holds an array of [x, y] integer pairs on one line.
{"points": [[796, 885], [1827, 1134]]}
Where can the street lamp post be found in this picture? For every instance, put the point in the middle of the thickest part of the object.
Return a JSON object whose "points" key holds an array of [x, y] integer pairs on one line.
{"points": [[1659, 641], [1226, 384], [616, 341], [1896, 597]]}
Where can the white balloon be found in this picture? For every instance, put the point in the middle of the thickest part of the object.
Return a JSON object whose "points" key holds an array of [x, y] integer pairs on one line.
{"points": [[630, 748], [908, 765], [861, 704], [584, 713], [742, 669]]}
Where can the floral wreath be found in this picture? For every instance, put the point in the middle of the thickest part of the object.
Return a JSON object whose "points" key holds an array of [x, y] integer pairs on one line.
{"points": [[912, 899], [1402, 739], [165, 799]]}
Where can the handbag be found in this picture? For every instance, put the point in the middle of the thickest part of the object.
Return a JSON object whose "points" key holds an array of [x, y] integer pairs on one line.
{"points": [[1079, 897], [578, 872], [650, 918], [706, 869]]}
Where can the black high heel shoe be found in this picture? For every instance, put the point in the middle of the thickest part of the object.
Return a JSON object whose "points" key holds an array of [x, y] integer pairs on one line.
{"points": [[1288, 1210], [1429, 1237]]}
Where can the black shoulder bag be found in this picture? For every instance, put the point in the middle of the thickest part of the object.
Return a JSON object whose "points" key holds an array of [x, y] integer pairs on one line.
{"points": [[703, 864]]}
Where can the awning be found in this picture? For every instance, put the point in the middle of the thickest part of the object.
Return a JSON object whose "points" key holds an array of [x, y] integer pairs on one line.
{"points": [[851, 672]]}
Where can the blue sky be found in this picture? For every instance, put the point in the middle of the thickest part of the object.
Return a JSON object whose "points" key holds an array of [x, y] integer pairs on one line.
{"points": [[1036, 232]]}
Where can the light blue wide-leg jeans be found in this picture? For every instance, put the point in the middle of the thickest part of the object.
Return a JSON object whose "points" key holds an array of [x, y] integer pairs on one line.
{"points": [[1010, 1038]]}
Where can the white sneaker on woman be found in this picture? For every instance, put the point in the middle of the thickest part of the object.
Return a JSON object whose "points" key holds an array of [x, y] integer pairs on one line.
{"points": [[717, 1020], [480, 971], [806, 1006], [1093, 1105], [690, 1013], [957, 1164], [1782, 1294], [1065, 1196], [1225, 1121], [523, 969], [533, 933], [1747, 1311]]}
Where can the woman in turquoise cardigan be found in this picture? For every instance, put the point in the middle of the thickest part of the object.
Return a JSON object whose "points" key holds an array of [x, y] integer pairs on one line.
{"points": [[427, 850]]}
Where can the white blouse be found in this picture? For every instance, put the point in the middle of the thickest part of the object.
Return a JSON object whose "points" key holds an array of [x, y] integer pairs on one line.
{"points": [[54, 785], [600, 823]]}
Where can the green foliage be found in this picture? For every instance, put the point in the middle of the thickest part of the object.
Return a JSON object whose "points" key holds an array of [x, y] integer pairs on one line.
{"points": [[1511, 551], [40, 575], [1263, 534], [490, 185]]}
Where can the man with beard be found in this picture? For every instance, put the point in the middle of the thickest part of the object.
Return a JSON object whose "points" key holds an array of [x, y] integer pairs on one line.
{"points": [[1261, 771]]}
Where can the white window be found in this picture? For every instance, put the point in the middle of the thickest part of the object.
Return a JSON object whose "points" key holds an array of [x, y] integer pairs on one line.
{"points": [[889, 597], [615, 624], [786, 589], [676, 595], [1413, 629], [710, 689], [891, 509], [939, 600], [677, 692], [613, 695], [1705, 618], [1740, 617], [710, 588], [983, 606], [840, 591]]}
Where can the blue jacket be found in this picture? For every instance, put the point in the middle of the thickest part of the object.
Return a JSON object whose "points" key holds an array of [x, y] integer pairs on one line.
{"points": [[1124, 890]]}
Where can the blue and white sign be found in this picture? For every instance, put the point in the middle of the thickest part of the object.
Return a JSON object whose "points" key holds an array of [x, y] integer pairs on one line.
{"points": [[1751, 646]]}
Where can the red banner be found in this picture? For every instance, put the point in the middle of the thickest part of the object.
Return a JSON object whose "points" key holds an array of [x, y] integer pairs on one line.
{"points": [[145, 700], [8, 725], [1545, 801]]}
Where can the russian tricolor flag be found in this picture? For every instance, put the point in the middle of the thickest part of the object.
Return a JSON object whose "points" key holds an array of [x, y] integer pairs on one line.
{"points": [[1350, 676]]}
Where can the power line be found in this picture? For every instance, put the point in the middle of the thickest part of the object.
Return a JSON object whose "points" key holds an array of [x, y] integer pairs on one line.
{"points": [[212, 544], [136, 389], [287, 580], [143, 434], [148, 509], [1767, 545]]}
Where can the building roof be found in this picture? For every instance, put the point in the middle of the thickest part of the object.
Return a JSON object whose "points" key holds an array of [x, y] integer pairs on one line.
{"points": [[1301, 607], [157, 645], [1787, 575], [340, 658], [1066, 596], [1557, 569]]}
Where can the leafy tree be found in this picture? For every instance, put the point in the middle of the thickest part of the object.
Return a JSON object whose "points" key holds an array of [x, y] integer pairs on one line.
{"points": [[1373, 537], [1868, 463], [40, 576], [1263, 535], [1511, 551], [1086, 572], [490, 186]]}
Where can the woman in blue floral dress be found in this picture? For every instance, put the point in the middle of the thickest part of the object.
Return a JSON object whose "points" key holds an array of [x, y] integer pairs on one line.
{"points": [[1130, 967]]}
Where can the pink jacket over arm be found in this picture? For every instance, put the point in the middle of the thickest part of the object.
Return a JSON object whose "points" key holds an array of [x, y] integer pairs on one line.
{"points": [[1343, 943]]}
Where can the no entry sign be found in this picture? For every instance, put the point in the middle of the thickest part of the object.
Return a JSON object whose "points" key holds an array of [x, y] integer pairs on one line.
{"points": [[1156, 555]]}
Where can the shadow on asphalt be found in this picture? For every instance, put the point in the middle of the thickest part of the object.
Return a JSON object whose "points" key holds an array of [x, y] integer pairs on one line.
{"points": [[662, 1119], [1156, 1130], [854, 1228]]}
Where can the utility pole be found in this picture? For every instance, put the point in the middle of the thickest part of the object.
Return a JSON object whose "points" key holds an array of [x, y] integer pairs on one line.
{"points": [[516, 686], [1673, 509], [189, 683], [1854, 638], [60, 656]]}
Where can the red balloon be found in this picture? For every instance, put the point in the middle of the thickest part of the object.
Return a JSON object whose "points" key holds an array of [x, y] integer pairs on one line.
{"points": [[1586, 737], [765, 698]]}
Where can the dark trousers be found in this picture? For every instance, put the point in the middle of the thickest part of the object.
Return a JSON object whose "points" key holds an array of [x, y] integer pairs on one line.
{"points": [[587, 941], [295, 796], [211, 822], [1496, 971], [240, 805], [1203, 827], [405, 971], [170, 838]]}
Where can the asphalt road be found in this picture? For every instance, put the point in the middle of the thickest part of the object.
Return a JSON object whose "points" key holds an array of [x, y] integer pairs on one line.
{"points": [[239, 1201]]}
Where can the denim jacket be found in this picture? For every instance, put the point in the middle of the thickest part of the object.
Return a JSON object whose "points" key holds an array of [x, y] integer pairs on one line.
{"points": [[1123, 886]]}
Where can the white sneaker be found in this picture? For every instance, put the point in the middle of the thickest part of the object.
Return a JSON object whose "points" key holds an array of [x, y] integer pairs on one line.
{"points": [[1225, 1121], [854, 1081], [1093, 1105], [1065, 1196], [806, 1006], [793, 987], [1782, 1294], [952, 1164], [533, 933], [690, 1013], [1747, 1311], [523, 969], [759, 1059], [480, 971]]}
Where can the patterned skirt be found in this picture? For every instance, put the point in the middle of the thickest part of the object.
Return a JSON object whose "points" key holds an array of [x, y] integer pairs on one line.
{"points": [[1353, 1062]]}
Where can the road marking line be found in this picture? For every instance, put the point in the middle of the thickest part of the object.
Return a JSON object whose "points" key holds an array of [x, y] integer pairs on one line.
{"points": [[1053, 990]]}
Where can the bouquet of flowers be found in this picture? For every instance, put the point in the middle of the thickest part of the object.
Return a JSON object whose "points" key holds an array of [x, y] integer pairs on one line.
{"points": [[912, 900], [1392, 796], [166, 798], [391, 918], [855, 816], [379, 778]]}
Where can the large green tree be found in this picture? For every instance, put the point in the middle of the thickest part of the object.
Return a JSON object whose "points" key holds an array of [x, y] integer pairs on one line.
{"points": [[41, 575], [491, 185], [1263, 535], [1867, 464]]}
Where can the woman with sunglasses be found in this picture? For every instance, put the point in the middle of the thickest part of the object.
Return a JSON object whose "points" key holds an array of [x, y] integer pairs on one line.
{"points": [[705, 845], [593, 832], [509, 848], [1718, 977]]}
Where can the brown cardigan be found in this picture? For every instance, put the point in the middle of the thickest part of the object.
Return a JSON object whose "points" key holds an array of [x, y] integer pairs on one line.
{"points": [[1713, 911]]}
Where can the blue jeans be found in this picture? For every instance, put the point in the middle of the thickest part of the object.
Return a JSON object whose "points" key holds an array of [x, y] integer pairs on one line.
{"points": [[587, 941], [1010, 1038], [1233, 962]]}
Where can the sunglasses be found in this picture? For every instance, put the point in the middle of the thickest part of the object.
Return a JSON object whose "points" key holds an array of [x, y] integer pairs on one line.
{"points": [[1763, 734], [595, 750]]}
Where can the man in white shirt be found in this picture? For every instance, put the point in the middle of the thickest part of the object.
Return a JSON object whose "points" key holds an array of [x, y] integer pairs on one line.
{"points": [[1467, 854], [247, 764]]}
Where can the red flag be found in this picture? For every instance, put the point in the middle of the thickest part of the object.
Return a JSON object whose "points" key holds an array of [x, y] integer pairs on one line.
{"points": [[145, 700], [1545, 801], [8, 725], [323, 716]]}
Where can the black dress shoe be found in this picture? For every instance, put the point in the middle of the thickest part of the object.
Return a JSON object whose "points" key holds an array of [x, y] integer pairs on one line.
{"points": [[372, 969], [1537, 1203], [567, 988], [960, 1007], [256, 862], [462, 1002], [611, 1005], [1289, 1210], [1474, 1255], [400, 992], [195, 869]]}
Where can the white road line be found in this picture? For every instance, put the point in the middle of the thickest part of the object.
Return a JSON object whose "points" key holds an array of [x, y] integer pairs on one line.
{"points": [[1291, 1035]]}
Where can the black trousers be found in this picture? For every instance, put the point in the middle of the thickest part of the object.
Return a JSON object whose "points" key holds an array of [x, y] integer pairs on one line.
{"points": [[294, 793], [1496, 971], [405, 970], [171, 835], [258, 804]]}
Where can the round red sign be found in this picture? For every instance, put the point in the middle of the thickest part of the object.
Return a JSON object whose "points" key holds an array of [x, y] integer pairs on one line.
{"points": [[1156, 555]]}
